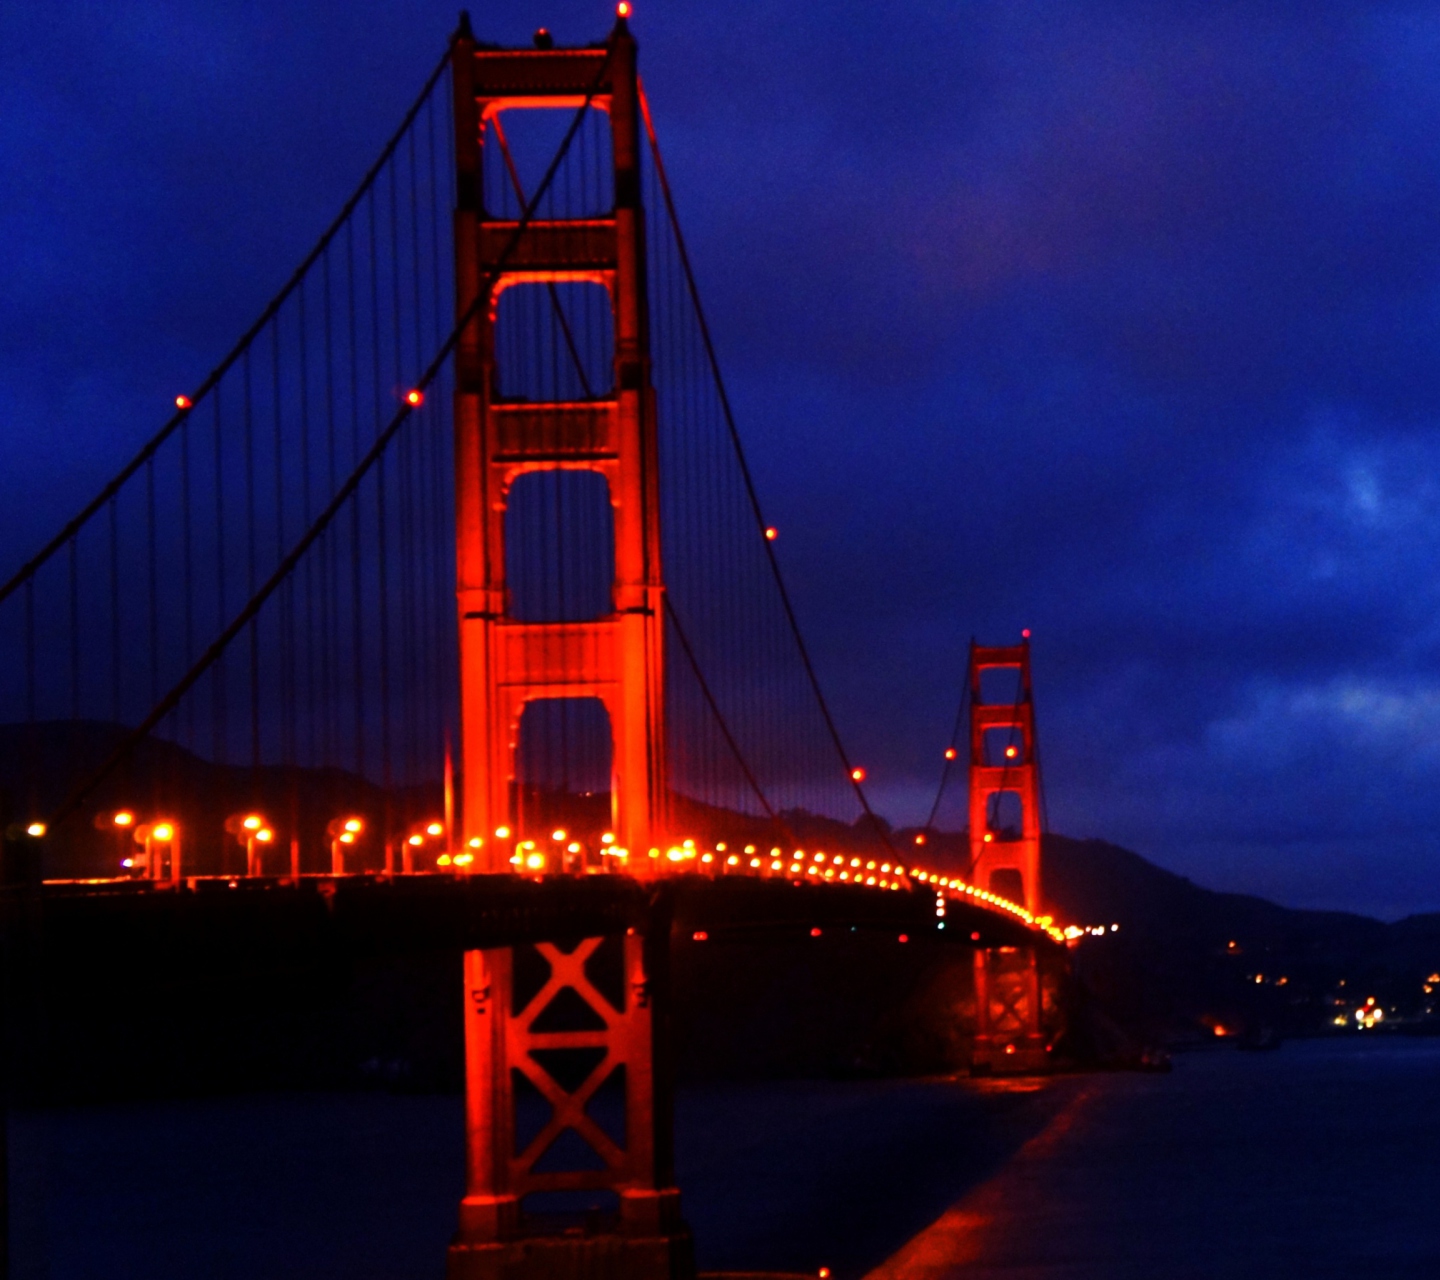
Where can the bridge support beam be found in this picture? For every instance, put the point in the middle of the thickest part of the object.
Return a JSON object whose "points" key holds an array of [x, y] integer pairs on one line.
{"points": [[1005, 859], [568, 1115]]}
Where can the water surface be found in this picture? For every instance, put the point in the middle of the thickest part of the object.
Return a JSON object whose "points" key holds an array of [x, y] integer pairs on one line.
{"points": [[1322, 1159]]}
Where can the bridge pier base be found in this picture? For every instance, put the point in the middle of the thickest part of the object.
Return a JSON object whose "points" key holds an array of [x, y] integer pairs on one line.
{"points": [[1009, 1038], [568, 1116]]}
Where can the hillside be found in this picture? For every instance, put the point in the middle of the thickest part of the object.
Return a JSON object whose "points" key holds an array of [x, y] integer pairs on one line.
{"points": [[1188, 958]]}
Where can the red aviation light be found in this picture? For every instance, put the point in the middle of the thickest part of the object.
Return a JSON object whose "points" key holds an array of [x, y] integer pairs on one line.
{"points": [[1025, 635], [415, 398], [857, 774], [950, 753], [183, 402], [1011, 753], [622, 10], [771, 533]]}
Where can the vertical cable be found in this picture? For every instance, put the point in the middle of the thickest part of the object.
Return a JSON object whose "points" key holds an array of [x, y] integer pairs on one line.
{"points": [[30, 690], [312, 729], [330, 586], [383, 592], [114, 612], [286, 629], [253, 629], [218, 698], [187, 571], [154, 581], [74, 627], [32, 753], [356, 621]]}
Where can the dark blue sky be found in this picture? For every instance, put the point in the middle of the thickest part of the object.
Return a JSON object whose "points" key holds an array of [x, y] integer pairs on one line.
{"points": [[1113, 320]]}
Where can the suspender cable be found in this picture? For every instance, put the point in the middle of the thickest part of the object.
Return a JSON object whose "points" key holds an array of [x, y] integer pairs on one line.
{"points": [[715, 710], [212, 380], [729, 416], [338, 500], [953, 745]]}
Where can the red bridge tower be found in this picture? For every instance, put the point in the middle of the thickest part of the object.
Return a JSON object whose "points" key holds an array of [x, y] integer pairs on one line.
{"points": [[1005, 858], [506, 663], [545, 1030]]}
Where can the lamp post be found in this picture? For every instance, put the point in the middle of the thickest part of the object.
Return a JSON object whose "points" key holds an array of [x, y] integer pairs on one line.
{"points": [[252, 832], [120, 822], [155, 838], [343, 833]]}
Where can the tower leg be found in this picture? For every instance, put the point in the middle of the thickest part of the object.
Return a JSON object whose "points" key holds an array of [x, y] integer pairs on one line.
{"points": [[569, 1172], [1009, 1038]]}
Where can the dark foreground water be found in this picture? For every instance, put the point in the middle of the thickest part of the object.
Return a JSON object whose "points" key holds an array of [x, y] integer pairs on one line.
{"points": [[1322, 1159]]}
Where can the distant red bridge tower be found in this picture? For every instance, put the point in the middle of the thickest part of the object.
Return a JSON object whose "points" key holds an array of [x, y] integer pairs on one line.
{"points": [[1005, 855]]}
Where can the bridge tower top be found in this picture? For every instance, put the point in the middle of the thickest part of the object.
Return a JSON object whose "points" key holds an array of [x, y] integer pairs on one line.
{"points": [[506, 434], [1004, 776]]}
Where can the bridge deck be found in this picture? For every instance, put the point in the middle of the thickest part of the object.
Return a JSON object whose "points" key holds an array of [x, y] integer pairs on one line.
{"points": [[411, 913]]}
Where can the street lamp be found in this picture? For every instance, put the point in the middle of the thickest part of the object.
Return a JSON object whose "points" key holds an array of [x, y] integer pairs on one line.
{"points": [[120, 822], [154, 838], [250, 830], [343, 833]]}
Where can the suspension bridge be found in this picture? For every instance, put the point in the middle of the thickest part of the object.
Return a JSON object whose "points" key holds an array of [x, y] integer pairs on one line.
{"points": [[444, 613]]}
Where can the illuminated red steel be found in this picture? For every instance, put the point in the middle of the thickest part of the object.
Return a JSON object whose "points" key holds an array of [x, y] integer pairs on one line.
{"points": [[617, 658], [506, 663], [1008, 999], [502, 1042]]}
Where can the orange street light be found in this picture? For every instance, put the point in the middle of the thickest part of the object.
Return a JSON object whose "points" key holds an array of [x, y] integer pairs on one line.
{"points": [[343, 832], [247, 829], [150, 836]]}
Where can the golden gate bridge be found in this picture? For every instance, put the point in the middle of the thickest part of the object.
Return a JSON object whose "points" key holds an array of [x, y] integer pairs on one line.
{"points": [[444, 613]]}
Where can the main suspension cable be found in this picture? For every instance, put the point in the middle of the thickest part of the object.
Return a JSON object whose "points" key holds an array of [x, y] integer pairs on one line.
{"points": [[72, 527], [345, 492]]}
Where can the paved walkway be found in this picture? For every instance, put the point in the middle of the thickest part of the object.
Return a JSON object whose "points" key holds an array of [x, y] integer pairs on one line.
{"points": [[1313, 1162]]}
